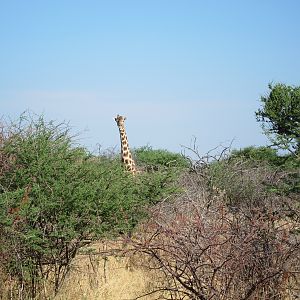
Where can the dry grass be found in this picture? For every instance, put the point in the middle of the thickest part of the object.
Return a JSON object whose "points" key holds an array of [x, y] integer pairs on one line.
{"points": [[110, 278]]}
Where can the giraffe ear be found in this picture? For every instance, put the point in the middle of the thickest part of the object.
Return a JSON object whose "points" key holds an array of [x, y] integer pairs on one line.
{"points": [[124, 118]]}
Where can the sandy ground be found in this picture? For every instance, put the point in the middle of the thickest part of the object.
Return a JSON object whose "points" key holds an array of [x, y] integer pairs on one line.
{"points": [[114, 278]]}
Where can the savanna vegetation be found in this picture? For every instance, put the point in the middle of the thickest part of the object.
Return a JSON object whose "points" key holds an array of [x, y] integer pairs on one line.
{"points": [[224, 225]]}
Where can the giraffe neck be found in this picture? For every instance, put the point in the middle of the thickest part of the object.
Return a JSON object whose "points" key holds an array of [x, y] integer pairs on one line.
{"points": [[125, 152]]}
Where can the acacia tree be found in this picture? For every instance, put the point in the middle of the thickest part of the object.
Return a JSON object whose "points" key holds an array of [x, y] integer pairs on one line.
{"points": [[280, 116], [56, 197]]}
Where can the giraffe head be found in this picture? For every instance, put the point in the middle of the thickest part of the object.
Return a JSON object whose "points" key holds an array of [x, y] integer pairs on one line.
{"points": [[120, 120]]}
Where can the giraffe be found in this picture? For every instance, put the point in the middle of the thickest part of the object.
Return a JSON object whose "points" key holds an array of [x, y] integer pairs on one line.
{"points": [[126, 156]]}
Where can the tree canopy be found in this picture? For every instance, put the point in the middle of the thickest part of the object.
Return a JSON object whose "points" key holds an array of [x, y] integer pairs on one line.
{"points": [[280, 115]]}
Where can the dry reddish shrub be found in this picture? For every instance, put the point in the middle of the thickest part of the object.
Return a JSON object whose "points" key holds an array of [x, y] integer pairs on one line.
{"points": [[208, 252]]}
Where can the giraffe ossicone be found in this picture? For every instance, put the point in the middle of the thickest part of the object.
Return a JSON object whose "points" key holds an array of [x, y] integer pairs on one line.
{"points": [[126, 155]]}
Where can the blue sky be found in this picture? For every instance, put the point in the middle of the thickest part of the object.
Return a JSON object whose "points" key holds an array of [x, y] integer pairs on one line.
{"points": [[176, 69]]}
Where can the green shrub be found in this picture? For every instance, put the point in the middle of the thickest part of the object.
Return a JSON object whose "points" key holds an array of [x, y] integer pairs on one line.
{"points": [[148, 156], [250, 176], [288, 163], [60, 197], [259, 154]]}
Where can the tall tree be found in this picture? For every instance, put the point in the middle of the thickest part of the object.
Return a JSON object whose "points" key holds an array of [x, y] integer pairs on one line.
{"points": [[280, 116]]}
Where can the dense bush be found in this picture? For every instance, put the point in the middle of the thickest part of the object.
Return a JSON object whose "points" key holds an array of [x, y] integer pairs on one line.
{"points": [[158, 157], [232, 234], [250, 175], [269, 155], [266, 154], [209, 253], [56, 197]]}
